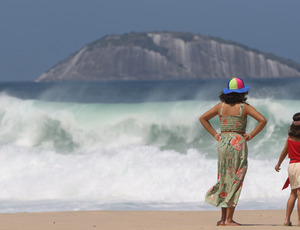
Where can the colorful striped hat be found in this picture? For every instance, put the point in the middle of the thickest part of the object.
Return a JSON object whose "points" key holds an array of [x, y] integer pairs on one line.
{"points": [[236, 85]]}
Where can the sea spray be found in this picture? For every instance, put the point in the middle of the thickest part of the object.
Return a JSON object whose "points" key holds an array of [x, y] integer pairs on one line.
{"points": [[151, 155]]}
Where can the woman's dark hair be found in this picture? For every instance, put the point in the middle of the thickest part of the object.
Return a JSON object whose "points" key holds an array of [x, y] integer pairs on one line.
{"points": [[233, 98], [295, 129]]}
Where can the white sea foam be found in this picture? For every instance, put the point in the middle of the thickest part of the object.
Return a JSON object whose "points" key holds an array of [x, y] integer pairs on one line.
{"points": [[131, 156]]}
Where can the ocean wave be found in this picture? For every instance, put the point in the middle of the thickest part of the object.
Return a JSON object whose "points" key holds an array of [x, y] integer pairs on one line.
{"points": [[139, 153], [75, 127]]}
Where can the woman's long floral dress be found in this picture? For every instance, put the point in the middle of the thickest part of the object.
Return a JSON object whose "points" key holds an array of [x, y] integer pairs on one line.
{"points": [[232, 162]]}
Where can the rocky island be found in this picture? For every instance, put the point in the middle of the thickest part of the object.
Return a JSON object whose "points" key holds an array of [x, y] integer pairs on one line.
{"points": [[167, 56]]}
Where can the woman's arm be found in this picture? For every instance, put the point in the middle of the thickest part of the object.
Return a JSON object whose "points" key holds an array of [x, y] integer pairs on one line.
{"points": [[262, 121], [204, 119], [282, 156]]}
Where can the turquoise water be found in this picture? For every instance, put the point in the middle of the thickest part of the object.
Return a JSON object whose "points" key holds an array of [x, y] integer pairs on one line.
{"points": [[141, 149]]}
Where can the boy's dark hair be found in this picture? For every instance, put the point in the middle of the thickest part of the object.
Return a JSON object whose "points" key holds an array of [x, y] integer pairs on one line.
{"points": [[233, 98], [295, 129]]}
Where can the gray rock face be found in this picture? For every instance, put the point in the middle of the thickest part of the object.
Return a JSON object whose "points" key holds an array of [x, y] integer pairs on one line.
{"points": [[167, 55]]}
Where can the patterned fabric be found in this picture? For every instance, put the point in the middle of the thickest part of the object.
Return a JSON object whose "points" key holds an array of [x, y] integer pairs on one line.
{"points": [[232, 123], [232, 164]]}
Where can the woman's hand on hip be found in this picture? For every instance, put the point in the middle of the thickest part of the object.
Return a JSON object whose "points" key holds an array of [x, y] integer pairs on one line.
{"points": [[217, 136], [247, 137]]}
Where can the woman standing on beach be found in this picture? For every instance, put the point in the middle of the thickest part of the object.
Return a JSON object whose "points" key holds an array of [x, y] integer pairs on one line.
{"points": [[232, 146]]}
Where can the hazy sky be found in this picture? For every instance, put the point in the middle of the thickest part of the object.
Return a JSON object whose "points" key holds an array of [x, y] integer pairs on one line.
{"points": [[37, 34]]}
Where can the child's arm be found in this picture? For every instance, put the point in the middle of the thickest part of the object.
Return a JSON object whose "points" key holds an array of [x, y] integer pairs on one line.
{"points": [[282, 156]]}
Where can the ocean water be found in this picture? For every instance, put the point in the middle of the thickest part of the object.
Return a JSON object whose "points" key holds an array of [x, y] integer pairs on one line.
{"points": [[132, 145]]}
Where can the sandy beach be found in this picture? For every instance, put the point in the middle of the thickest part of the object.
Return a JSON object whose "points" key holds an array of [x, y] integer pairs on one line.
{"points": [[137, 220]]}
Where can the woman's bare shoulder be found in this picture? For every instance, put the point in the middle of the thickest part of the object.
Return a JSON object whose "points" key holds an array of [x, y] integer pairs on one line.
{"points": [[219, 104], [248, 107], [216, 108], [250, 110]]}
